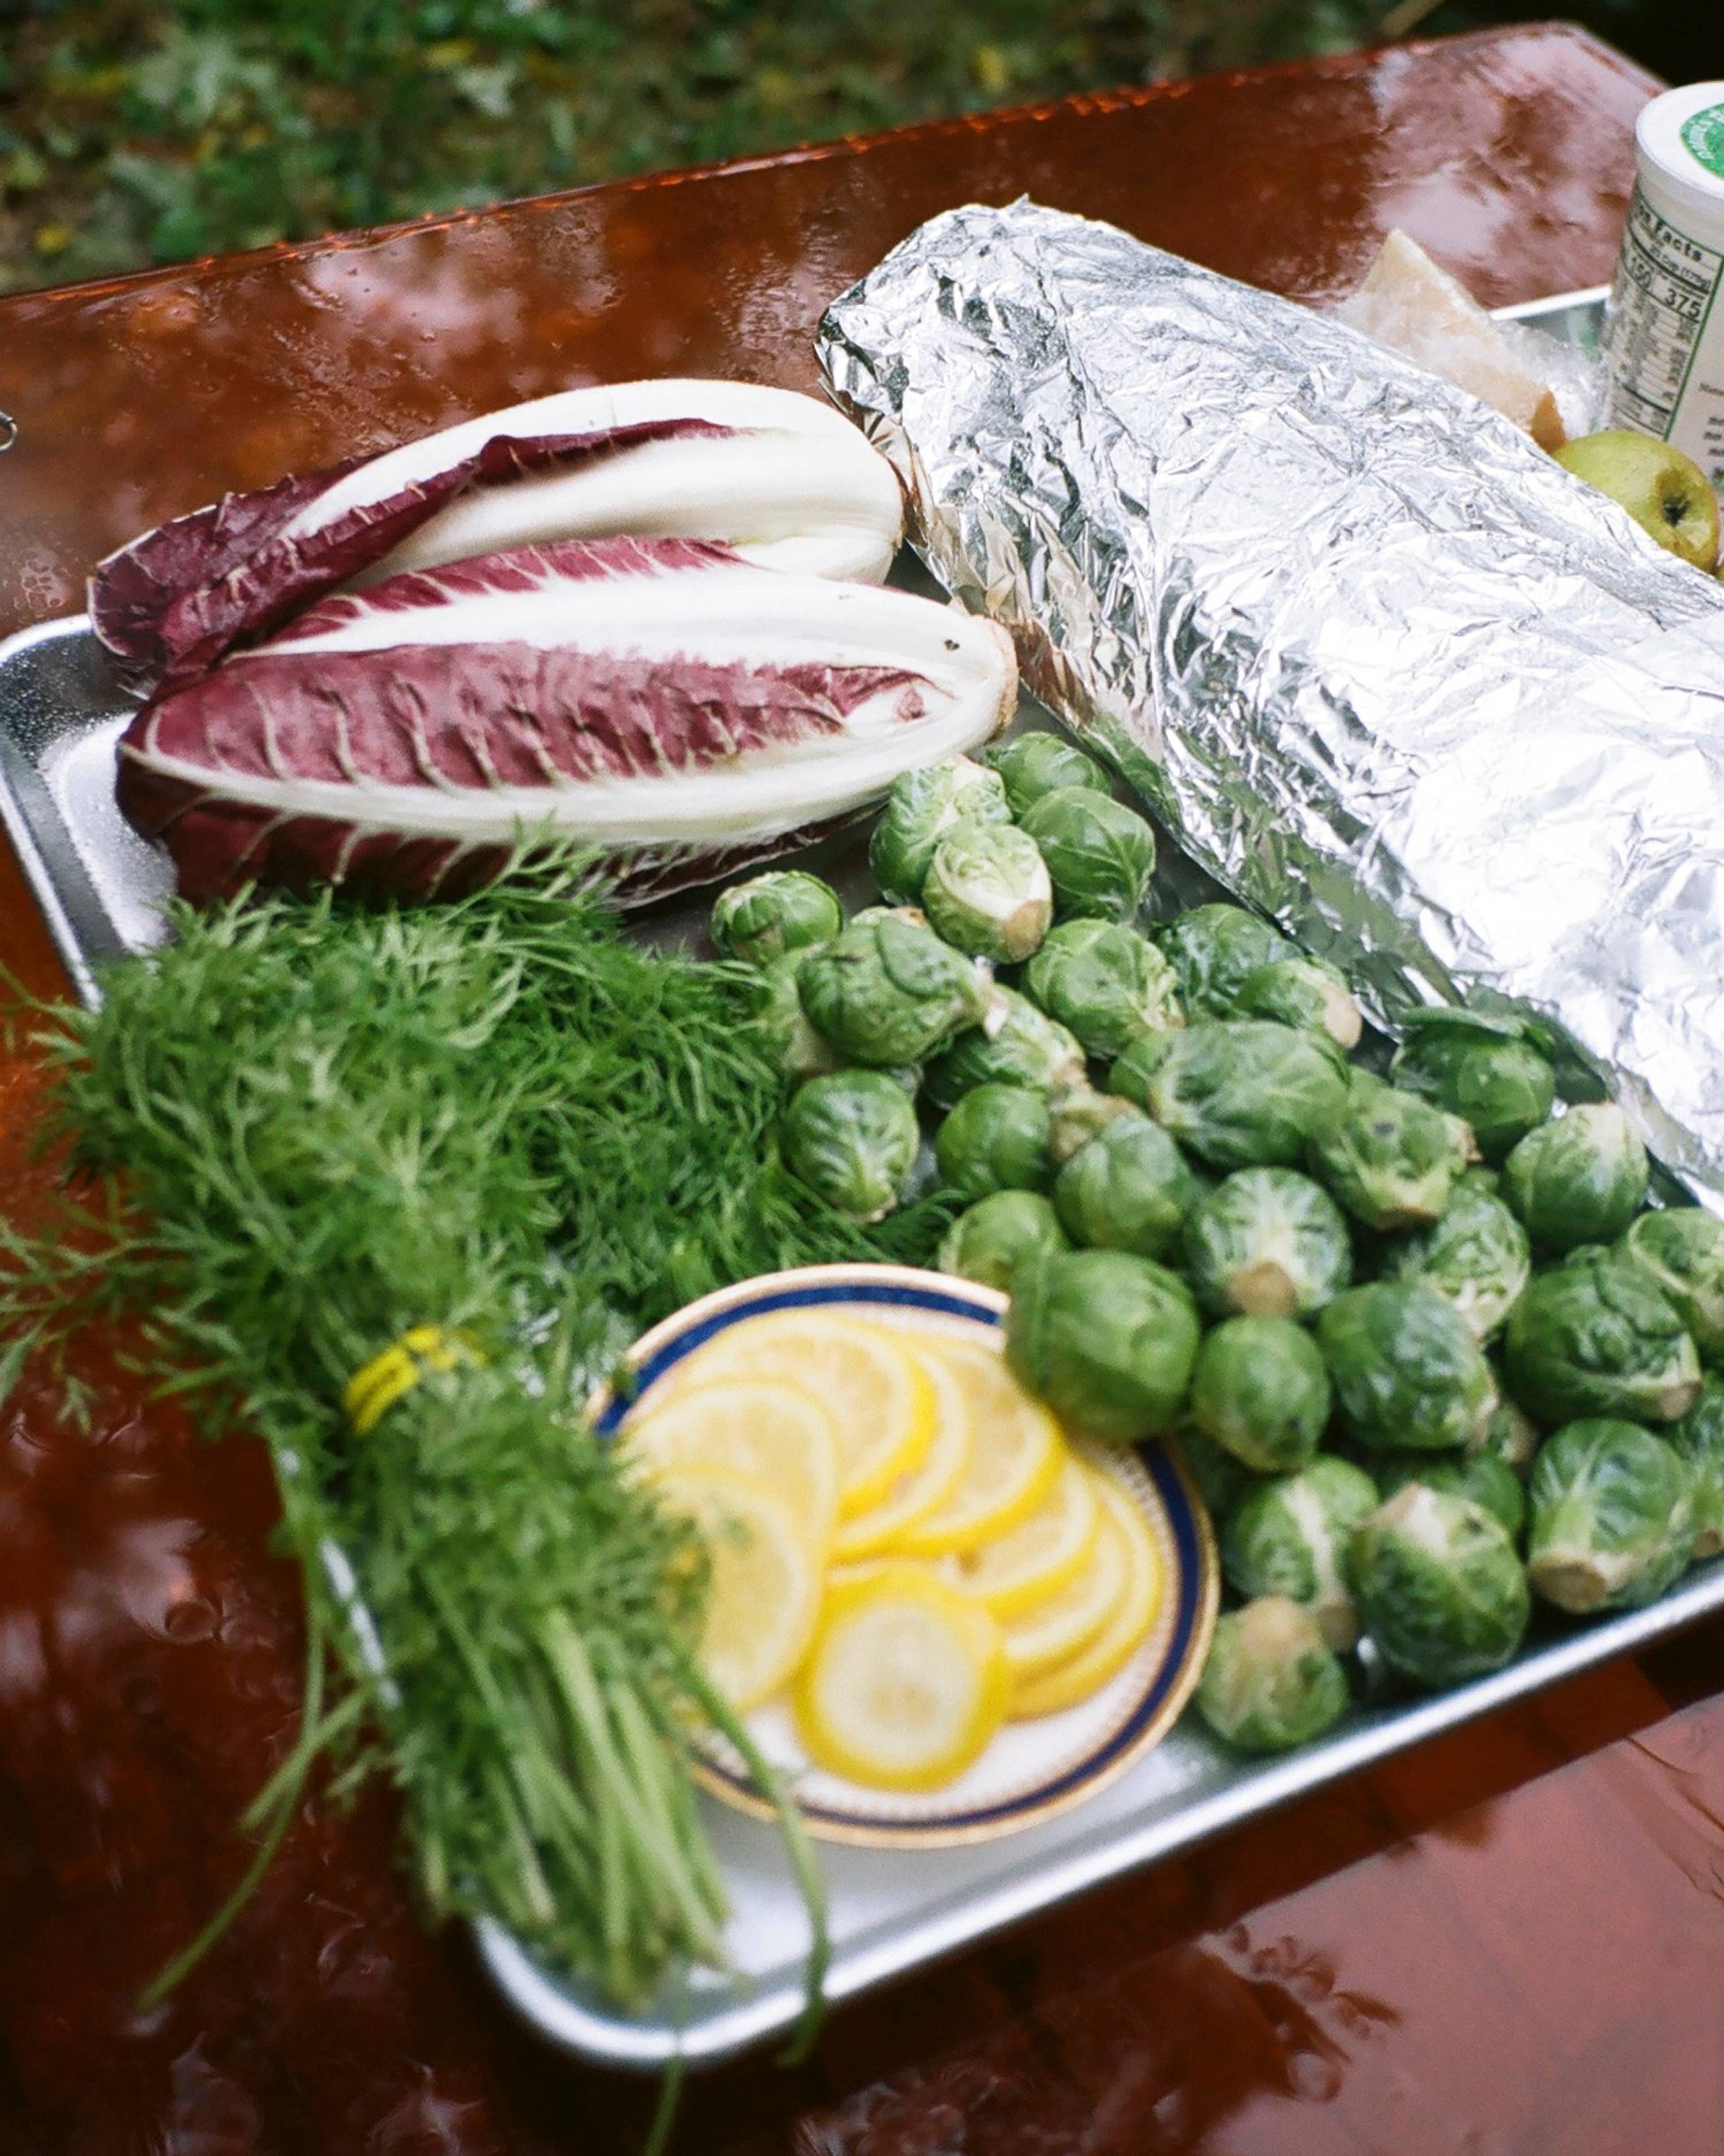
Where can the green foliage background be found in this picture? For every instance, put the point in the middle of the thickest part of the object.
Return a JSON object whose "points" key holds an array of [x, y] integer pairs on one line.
{"points": [[132, 134]]}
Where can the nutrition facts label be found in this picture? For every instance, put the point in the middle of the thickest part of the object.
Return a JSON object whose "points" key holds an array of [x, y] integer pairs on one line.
{"points": [[1666, 327]]}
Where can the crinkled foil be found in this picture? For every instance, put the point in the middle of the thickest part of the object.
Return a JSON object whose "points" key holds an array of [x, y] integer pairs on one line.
{"points": [[1381, 666]]}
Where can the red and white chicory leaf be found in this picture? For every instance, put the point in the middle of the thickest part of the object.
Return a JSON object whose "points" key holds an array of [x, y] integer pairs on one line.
{"points": [[678, 708], [781, 477]]}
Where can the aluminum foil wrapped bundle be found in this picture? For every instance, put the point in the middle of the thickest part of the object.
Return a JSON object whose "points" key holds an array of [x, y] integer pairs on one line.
{"points": [[1383, 668]]}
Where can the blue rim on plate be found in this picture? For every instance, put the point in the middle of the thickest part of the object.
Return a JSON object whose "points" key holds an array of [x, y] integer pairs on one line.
{"points": [[1160, 1685]]}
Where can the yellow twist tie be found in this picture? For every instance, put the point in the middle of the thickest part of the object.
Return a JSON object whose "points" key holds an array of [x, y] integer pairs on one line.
{"points": [[371, 1392]]}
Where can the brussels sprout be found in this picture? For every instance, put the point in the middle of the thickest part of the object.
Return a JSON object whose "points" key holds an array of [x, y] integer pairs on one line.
{"points": [[1260, 1389], [1699, 1438], [1292, 1535], [1512, 1437], [988, 1242], [996, 1138], [1041, 762], [1483, 1476], [1268, 1242], [921, 808], [886, 991], [1304, 993], [1106, 1338], [1579, 1179], [799, 1051], [1407, 1374], [1270, 1682], [853, 1136], [1221, 1480], [1129, 1188], [1613, 1517], [770, 915], [1080, 1113], [986, 893], [1476, 1257], [1681, 1250], [1016, 1044], [1239, 1093], [1440, 1587], [1393, 1160], [1595, 1338], [1482, 1069], [1214, 949], [1106, 982], [1100, 854]]}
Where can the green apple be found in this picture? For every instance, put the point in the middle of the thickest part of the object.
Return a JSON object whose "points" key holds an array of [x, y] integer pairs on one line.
{"points": [[1665, 493]]}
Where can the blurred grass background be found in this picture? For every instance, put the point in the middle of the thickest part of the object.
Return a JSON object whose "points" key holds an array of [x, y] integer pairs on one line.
{"points": [[132, 134]]}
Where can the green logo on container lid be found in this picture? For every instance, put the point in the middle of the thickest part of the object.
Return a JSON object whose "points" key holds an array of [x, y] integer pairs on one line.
{"points": [[1703, 134]]}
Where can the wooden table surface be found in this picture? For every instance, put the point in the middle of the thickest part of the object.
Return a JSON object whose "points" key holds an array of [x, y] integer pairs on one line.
{"points": [[1507, 1942]]}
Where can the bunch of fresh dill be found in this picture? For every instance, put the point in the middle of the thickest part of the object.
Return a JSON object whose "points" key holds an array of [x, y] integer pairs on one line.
{"points": [[485, 1142]]}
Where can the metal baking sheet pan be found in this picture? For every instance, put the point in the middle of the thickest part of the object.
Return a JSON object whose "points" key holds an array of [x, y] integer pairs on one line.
{"points": [[100, 887]]}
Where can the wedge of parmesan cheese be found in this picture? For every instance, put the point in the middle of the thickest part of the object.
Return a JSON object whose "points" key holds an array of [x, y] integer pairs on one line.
{"points": [[1408, 304]]}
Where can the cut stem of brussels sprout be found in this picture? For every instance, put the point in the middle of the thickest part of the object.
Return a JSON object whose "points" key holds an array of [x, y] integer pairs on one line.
{"points": [[1483, 1477], [1612, 1517], [1267, 1242], [1303, 993], [988, 892], [1440, 1587], [1080, 1113], [1270, 1682]]}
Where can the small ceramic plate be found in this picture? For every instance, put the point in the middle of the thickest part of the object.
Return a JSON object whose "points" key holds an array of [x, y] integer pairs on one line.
{"points": [[1031, 1770]]}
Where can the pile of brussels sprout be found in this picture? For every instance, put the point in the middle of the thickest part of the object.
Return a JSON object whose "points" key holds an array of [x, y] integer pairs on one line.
{"points": [[1421, 1343]]}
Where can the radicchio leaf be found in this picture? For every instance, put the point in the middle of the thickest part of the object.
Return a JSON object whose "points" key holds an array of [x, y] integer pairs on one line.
{"points": [[676, 708], [173, 602]]}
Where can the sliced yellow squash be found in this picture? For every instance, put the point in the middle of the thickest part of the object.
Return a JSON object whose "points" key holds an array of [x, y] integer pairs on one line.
{"points": [[1125, 1630], [1045, 1551], [905, 1683], [875, 1387], [767, 1575], [919, 1491], [1014, 1457], [760, 1428], [1057, 1628]]}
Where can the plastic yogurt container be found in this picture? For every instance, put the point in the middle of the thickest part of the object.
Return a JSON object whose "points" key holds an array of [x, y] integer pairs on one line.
{"points": [[1663, 338]]}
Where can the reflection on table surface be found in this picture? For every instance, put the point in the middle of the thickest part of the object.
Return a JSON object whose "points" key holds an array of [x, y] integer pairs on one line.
{"points": [[1501, 1943]]}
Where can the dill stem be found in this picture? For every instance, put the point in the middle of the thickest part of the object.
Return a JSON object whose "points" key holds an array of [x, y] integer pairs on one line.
{"points": [[661, 1855]]}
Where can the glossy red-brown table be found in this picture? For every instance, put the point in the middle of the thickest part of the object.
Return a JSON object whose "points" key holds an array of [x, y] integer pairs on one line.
{"points": [[1507, 1942]]}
